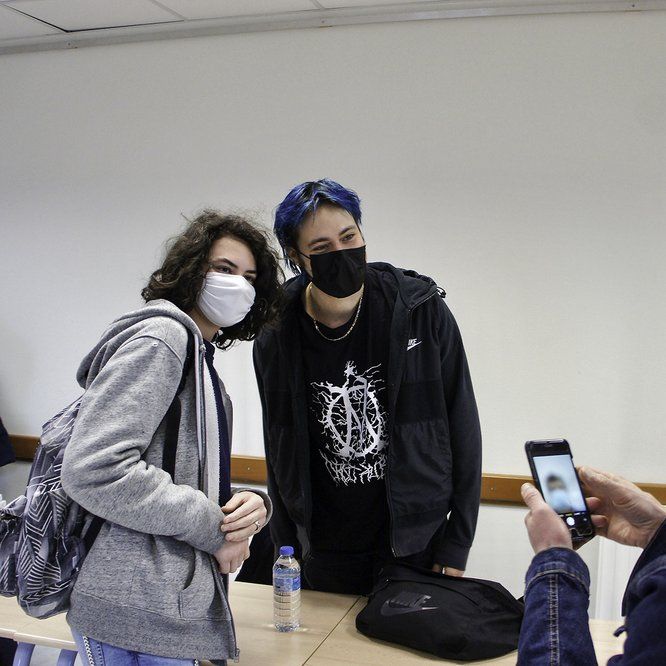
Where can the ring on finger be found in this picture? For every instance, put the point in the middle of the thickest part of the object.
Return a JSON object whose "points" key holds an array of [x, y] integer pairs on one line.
{"points": [[257, 525]]}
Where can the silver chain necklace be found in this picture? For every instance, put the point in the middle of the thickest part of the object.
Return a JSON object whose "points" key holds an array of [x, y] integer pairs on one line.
{"points": [[316, 325]]}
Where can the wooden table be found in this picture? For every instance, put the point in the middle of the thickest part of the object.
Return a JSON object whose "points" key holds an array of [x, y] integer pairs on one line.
{"points": [[11, 617], [28, 632], [345, 645], [252, 607], [605, 644], [260, 643], [328, 636]]}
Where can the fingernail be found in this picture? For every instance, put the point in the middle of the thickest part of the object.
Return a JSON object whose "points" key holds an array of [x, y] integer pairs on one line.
{"points": [[525, 486]]}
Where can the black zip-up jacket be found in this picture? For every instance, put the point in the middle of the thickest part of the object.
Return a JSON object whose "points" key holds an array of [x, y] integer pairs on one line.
{"points": [[434, 454]]}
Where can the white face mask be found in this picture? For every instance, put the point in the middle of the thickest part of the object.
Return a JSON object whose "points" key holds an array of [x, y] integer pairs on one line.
{"points": [[225, 300]]}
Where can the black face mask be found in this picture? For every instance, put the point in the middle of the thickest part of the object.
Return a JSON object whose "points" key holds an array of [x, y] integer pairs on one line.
{"points": [[340, 273]]}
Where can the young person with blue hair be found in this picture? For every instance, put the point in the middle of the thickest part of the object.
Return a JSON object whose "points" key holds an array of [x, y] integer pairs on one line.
{"points": [[372, 435]]}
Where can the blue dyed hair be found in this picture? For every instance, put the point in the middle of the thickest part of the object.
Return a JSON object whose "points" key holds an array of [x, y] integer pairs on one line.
{"points": [[303, 200]]}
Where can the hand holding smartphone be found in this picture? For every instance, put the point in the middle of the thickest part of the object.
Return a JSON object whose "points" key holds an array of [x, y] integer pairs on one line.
{"points": [[555, 476]]}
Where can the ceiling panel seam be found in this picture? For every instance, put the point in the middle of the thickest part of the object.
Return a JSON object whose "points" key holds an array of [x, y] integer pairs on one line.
{"points": [[166, 8], [35, 18]]}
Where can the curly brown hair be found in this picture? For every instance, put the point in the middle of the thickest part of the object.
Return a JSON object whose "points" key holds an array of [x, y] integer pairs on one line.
{"points": [[180, 277]]}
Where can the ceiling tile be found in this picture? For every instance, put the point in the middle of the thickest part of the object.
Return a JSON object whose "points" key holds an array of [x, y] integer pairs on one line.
{"points": [[14, 25], [90, 14], [201, 9]]}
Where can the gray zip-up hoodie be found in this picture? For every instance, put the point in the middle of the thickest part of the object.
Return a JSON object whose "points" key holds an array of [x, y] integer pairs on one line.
{"points": [[150, 582]]}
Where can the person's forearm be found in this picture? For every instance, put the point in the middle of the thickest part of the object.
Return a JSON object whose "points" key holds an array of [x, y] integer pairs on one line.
{"points": [[465, 443], [283, 530], [555, 627], [458, 535]]}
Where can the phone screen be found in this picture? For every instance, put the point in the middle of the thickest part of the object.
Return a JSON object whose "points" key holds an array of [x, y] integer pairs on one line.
{"points": [[559, 483], [557, 480]]}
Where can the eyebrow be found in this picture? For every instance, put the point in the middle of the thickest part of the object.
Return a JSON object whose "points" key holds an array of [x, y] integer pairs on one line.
{"points": [[224, 260], [325, 238]]}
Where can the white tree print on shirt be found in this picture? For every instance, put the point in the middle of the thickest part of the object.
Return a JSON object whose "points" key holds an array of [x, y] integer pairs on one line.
{"points": [[354, 426]]}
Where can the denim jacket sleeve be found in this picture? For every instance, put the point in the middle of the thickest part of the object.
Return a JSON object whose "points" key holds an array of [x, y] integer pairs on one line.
{"points": [[645, 607], [555, 627]]}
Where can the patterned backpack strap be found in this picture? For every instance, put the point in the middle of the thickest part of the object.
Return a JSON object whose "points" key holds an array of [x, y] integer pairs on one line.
{"points": [[173, 414]]}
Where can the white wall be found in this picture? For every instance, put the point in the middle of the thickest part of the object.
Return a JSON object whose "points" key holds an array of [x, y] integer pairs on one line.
{"points": [[519, 160]]}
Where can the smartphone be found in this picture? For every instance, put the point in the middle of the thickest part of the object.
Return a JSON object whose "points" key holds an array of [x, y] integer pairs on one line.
{"points": [[555, 476]]}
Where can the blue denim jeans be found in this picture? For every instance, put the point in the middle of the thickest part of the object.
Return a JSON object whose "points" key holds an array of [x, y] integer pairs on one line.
{"points": [[95, 653], [555, 627]]}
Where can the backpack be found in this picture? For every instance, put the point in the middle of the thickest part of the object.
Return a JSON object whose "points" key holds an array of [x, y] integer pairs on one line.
{"points": [[44, 534], [454, 618]]}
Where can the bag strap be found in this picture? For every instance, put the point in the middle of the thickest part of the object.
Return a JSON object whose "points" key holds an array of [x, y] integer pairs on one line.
{"points": [[405, 572], [173, 414], [92, 532]]}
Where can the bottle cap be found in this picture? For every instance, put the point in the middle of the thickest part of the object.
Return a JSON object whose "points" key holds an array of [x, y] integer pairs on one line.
{"points": [[287, 551]]}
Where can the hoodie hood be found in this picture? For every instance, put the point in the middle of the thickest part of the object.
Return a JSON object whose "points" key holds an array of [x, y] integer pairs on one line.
{"points": [[124, 328], [412, 287]]}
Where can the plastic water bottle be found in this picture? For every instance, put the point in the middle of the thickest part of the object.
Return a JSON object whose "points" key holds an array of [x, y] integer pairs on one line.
{"points": [[286, 591]]}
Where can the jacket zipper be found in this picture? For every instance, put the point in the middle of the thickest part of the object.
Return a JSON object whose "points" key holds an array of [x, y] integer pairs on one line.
{"points": [[202, 432], [388, 581], [223, 592], [403, 350], [236, 650], [202, 412], [297, 380]]}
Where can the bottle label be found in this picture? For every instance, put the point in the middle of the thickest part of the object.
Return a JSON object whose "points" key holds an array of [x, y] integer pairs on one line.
{"points": [[286, 584]]}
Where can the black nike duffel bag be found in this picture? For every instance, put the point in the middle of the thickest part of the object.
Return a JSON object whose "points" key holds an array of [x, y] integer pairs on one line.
{"points": [[454, 618]]}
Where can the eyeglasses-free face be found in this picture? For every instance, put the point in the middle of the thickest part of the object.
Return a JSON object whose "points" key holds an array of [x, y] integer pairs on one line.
{"points": [[229, 256], [331, 228]]}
